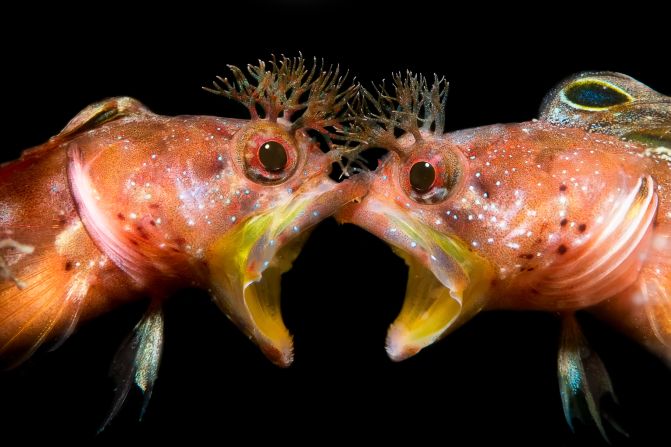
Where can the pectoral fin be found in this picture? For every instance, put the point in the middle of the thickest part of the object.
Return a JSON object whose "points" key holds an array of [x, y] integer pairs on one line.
{"points": [[583, 379], [137, 361]]}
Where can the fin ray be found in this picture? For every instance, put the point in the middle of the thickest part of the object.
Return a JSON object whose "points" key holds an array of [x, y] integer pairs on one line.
{"points": [[137, 361], [583, 379]]}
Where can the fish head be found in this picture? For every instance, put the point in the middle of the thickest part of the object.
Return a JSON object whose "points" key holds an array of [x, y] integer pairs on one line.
{"points": [[409, 205], [278, 175]]}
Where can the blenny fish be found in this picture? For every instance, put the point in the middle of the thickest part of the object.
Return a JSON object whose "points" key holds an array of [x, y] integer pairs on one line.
{"points": [[124, 204], [566, 212]]}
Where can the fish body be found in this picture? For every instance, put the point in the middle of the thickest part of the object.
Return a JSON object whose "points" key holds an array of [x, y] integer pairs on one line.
{"points": [[538, 204], [567, 212], [125, 204]]}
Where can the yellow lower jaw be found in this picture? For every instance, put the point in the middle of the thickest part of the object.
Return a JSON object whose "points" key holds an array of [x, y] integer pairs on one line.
{"points": [[428, 309], [434, 307], [262, 299], [245, 270]]}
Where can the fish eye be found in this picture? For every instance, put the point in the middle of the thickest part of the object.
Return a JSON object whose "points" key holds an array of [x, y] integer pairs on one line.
{"points": [[594, 95], [273, 156], [269, 156], [422, 176], [431, 177]]}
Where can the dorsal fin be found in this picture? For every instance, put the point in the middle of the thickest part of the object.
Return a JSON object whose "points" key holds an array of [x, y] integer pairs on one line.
{"points": [[611, 103], [103, 112], [93, 116]]}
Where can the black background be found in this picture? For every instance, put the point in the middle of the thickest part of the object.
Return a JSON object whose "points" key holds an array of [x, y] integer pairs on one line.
{"points": [[494, 381]]}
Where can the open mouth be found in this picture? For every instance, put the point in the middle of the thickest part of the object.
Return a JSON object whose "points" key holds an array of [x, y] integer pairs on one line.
{"points": [[246, 264], [447, 282]]}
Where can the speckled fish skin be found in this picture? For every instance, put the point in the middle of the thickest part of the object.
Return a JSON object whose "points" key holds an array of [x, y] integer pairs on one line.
{"points": [[556, 214], [125, 204]]}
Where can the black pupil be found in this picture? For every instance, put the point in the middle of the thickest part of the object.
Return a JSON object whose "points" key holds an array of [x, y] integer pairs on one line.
{"points": [[422, 176], [272, 156]]}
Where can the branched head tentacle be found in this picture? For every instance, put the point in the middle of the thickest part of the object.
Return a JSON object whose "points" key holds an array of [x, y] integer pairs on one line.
{"points": [[316, 97], [282, 87], [414, 107]]}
